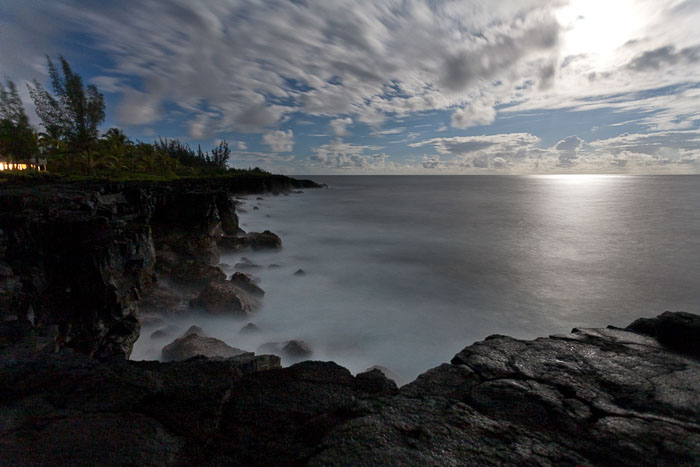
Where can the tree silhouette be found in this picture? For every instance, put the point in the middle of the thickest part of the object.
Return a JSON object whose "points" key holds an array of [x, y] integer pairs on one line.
{"points": [[74, 112], [18, 141]]}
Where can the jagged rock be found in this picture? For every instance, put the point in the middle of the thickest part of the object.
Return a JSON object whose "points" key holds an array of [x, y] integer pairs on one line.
{"points": [[247, 283], [226, 297], [592, 397], [249, 328], [299, 272], [226, 210], [194, 330], [679, 331], [193, 345], [193, 273], [255, 208]]}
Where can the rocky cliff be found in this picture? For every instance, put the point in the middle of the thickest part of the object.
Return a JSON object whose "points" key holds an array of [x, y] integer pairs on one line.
{"points": [[78, 260], [76, 257]]}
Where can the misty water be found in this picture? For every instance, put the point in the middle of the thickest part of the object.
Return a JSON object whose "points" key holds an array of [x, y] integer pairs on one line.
{"points": [[405, 271]]}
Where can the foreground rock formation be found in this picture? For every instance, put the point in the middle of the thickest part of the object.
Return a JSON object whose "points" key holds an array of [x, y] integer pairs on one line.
{"points": [[595, 396]]}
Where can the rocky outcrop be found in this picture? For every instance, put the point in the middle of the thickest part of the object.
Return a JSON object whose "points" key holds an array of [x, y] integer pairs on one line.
{"points": [[76, 258], [247, 283], [226, 297], [255, 240], [193, 345], [595, 396]]}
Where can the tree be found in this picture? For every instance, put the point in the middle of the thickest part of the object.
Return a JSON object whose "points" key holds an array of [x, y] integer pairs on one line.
{"points": [[18, 141], [220, 155], [74, 112]]}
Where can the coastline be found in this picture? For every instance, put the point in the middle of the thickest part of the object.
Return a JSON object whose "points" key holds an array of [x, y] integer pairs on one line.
{"points": [[78, 260]]}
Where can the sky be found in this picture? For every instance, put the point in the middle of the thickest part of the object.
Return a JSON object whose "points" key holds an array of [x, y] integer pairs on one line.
{"points": [[386, 86]]}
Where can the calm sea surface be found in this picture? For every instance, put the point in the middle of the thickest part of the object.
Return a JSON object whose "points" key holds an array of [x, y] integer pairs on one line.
{"points": [[405, 271]]}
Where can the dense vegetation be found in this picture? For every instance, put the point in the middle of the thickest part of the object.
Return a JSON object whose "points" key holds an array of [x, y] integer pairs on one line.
{"points": [[72, 145]]}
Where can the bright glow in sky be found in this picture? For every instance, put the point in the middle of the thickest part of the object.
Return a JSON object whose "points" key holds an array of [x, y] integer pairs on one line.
{"points": [[388, 86]]}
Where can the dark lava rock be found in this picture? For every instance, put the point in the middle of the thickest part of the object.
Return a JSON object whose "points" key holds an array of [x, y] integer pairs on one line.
{"points": [[679, 331], [273, 266], [162, 299], [192, 345], [299, 272], [247, 283], [592, 397], [249, 328], [392, 375], [259, 198], [166, 260], [264, 240], [226, 297], [194, 330], [254, 240], [255, 208], [193, 273], [296, 349], [375, 382]]}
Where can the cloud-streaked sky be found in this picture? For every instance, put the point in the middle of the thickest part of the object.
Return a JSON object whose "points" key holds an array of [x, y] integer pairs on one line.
{"points": [[380, 86]]}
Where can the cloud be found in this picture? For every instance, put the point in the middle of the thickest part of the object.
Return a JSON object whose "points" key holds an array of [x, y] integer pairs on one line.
{"points": [[241, 145], [570, 143], [341, 155], [479, 112], [279, 141], [243, 66], [664, 57], [339, 126]]}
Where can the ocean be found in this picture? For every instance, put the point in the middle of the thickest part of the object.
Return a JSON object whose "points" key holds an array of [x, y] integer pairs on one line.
{"points": [[405, 271]]}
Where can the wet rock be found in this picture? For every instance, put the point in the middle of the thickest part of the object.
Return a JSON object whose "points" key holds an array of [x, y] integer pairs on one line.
{"points": [[259, 198], [255, 208], [194, 330], [273, 266], [193, 345], [679, 331], [226, 297], [254, 240], [247, 283], [299, 272], [249, 328], [193, 273]]}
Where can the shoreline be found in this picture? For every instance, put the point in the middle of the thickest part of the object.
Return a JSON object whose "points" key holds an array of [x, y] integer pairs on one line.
{"points": [[78, 262]]}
